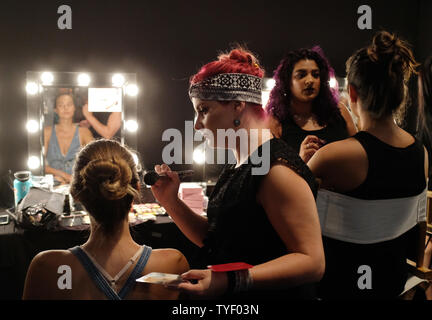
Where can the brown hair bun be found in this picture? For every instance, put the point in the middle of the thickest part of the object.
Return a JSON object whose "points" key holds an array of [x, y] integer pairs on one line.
{"points": [[107, 179]]}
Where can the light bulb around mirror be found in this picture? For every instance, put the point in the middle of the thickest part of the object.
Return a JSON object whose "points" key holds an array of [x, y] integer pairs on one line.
{"points": [[83, 79], [270, 83], [131, 125], [199, 156], [32, 126], [132, 90], [32, 88], [33, 162], [118, 80], [332, 83], [47, 78]]}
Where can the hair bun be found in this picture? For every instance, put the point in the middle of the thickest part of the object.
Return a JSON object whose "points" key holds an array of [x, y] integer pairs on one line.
{"points": [[384, 46], [107, 179], [241, 56], [394, 53]]}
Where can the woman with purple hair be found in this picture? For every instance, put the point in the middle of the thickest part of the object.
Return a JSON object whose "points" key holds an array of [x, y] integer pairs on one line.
{"points": [[304, 108]]}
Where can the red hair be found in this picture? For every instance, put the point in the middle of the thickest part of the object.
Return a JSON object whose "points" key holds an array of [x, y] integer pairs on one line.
{"points": [[238, 60]]}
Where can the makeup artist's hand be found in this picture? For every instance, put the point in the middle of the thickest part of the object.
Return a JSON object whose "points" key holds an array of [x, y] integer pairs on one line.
{"points": [[209, 283], [166, 188], [309, 146]]}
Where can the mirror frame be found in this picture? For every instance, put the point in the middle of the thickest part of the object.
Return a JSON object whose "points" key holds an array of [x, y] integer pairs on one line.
{"points": [[35, 107]]}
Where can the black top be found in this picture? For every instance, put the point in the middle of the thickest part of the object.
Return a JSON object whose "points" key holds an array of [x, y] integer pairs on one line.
{"points": [[393, 173], [239, 230], [102, 117], [293, 135]]}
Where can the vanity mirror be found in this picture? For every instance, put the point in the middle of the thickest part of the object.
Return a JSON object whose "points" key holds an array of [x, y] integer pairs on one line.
{"points": [[66, 110]]}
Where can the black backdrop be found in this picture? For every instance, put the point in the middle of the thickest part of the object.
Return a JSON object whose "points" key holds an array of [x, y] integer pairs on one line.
{"points": [[164, 42]]}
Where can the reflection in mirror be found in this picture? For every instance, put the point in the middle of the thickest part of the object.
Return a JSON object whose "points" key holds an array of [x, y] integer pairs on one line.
{"points": [[64, 114], [63, 133]]}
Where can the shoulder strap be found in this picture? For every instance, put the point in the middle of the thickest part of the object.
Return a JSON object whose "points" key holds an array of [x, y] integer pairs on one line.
{"points": [[53, 143], [136, 272], [94, 273]]}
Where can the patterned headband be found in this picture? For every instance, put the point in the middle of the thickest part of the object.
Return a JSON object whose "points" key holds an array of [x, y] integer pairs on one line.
{"points": [[228, 87]]}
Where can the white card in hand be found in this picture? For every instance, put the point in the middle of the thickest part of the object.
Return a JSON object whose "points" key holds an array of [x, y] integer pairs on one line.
{"points": [[160, 278]]}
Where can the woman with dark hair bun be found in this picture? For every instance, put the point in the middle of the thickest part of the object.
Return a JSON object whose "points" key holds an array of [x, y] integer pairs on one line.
{"points": [[373, 185], [304, 107], [105, 181], [267, 220]]}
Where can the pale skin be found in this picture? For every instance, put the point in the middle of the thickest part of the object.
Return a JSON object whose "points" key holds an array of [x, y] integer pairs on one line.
{"points": [[305, 85], [285, 197], [108, 130], [112, 252], [343, 165], [65, 131]]}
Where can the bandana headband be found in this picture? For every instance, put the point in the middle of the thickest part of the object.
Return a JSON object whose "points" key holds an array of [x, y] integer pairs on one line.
{"points": [[228, 87]]}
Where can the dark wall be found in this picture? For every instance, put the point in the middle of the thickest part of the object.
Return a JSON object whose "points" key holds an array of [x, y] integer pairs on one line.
{"points": [[424, 30], [164, 42]]}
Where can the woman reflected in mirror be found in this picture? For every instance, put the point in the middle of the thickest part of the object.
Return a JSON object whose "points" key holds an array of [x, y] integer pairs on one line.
{"points": [[63, 140], [103, 124]]}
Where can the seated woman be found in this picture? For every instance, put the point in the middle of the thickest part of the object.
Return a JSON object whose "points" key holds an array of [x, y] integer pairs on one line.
{"points": [[64, 140], [374, 184], [305, 111], [105, 181]]}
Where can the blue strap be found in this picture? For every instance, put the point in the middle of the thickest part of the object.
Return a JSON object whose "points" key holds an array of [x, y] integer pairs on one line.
{"points": [[100, 280], [94, 273], [136, 272]]}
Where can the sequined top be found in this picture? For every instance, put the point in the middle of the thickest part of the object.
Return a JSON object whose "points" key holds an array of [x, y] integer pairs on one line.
{"points": [[239, 229]]}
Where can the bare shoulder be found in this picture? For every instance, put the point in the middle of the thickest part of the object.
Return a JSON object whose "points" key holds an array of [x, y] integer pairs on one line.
{"points": [[43, 272], [338, 152], [169, 261], [83, 130], [46, 259], [341, 165], [85, 135]]}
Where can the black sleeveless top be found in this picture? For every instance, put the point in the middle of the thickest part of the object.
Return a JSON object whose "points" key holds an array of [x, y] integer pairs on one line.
{"points": [[102, 117], [293, 135], [393, 173], [239, 230]]}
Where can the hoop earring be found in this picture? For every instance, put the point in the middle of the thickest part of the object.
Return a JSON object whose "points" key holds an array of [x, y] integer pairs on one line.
{"points": [[236, 122]]}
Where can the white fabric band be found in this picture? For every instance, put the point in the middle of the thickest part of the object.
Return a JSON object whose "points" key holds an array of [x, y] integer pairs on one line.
{"points": [[368, 221]]}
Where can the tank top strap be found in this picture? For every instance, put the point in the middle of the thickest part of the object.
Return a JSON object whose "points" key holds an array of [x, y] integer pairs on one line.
{"points": [[136, 272], [54, 146], [369, 144], [365, 139], [74, 146], [94, 273]]}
